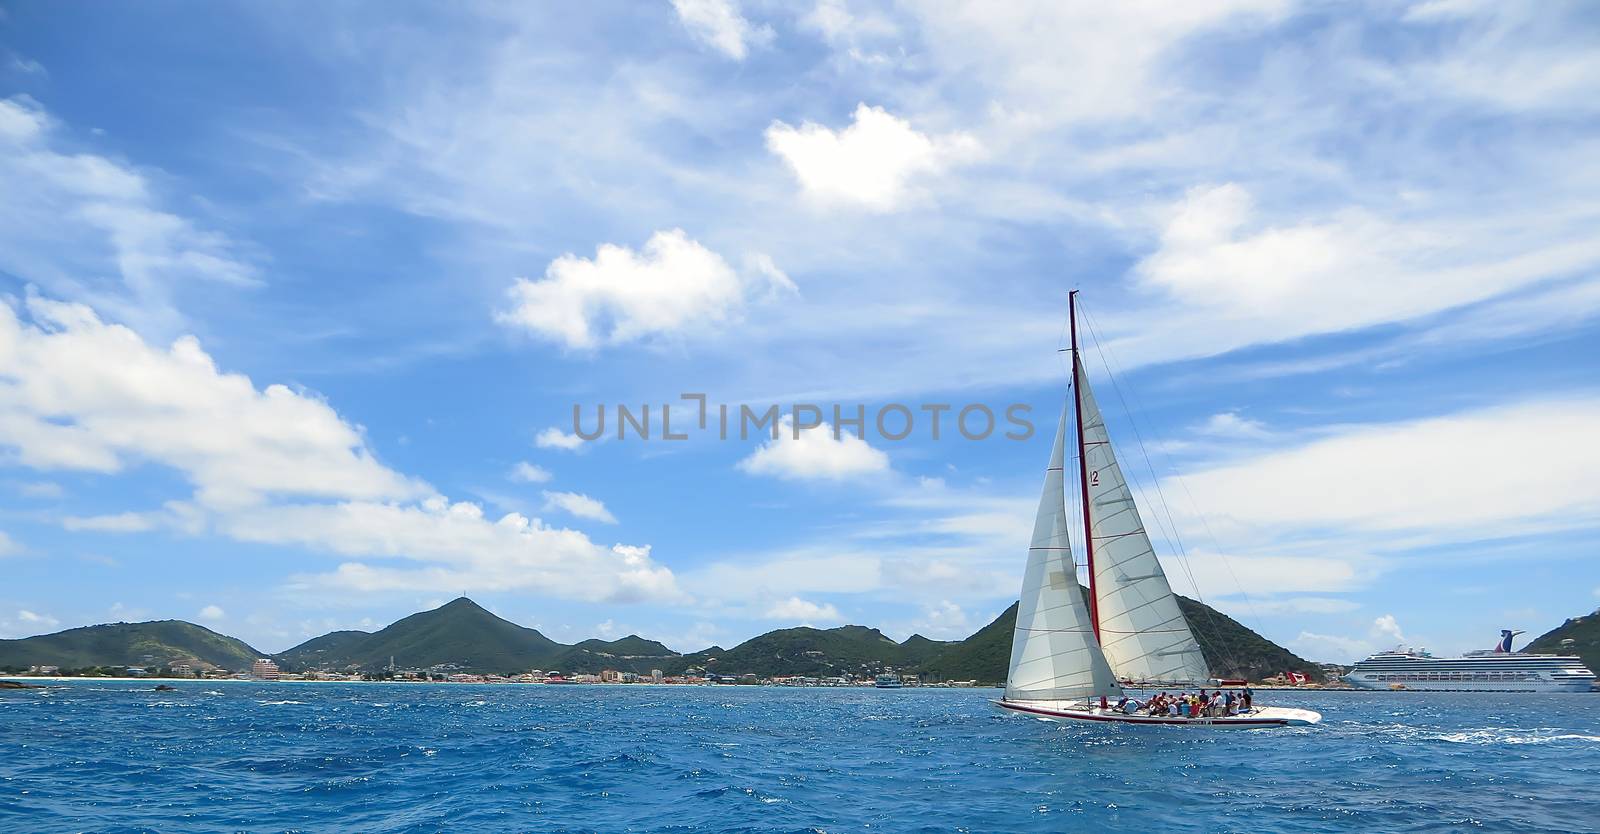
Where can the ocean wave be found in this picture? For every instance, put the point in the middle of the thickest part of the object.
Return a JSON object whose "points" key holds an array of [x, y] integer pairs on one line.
{"points": [[1507, 736]]}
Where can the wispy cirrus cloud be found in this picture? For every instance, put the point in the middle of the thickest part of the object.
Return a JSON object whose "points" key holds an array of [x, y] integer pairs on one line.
{"points": [[71, 214], [721, 25]]}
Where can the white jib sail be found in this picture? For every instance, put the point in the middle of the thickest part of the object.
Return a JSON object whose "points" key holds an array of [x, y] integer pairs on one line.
{"points": [[1142, 631], [1054, 654]]}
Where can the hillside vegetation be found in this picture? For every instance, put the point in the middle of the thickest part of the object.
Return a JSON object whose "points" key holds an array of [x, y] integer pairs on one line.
{"points": [[155, 644], [1584, 632], [462, 635]]}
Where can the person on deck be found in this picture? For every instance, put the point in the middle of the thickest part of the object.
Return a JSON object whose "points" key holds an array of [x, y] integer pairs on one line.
{"points": [[1246, 695], [1227, 703]]}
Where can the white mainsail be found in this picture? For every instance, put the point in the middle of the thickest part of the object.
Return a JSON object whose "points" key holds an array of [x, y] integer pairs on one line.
{"points": [[1054, 653], [1142, 631]]}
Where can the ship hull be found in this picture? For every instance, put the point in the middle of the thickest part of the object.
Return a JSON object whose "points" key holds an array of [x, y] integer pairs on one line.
{"points": [[1261, 717], [1468, 686], [1480, 672]]}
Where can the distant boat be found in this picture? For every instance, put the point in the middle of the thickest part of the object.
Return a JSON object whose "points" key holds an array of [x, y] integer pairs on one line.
{"points": [[887, 682], [1067, 656], [1492, 670]]}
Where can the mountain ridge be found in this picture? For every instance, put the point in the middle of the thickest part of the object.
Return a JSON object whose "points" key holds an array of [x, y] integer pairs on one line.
{"points": [[153, 643], [462, 635]]}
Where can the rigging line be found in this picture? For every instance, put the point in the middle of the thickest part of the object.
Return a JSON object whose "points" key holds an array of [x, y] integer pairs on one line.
{"points": [[1167, 525], [1205, 523], [1170, 527]]}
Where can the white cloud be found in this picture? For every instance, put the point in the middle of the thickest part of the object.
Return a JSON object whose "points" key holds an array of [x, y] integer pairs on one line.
{"points": [[211, 613], [71, 214], [1231, 426], [1285, 606], [1513, 57], [720, 24], [27, 66], [1225, 278], [1330, 647], [1383, 634], [272, 466], [1387, 626], [128, 522], [554, 438], [1276, 567], [814, 454], [672, 286], [40, 489], [579, 505], [864, 37], [461, 550], [944, 620], [873, 163], [1047, 62], [8, 545], [803, 611], [79, 394], [27, 624], [529, 473], [37, 619], [1434, 480]]}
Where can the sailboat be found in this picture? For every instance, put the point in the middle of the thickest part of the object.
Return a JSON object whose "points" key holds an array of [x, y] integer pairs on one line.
{"points": [[1071, 653]]}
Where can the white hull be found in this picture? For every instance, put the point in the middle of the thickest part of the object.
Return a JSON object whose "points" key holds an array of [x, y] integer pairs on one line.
{"points": [[1497, 671], [1470, 686], [1257, 718]]}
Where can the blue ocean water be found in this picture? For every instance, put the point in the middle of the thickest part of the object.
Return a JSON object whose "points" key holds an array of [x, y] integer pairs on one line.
{"points": [[111, 756]]}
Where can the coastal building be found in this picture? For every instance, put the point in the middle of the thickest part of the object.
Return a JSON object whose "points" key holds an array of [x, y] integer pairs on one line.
{"points": [[655, 675], [264, 669]]}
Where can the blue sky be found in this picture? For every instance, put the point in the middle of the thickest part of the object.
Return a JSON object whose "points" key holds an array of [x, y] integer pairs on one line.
{"points": [[299, 300]]}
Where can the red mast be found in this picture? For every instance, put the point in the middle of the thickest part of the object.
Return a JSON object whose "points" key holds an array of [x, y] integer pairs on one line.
{"points": [[1083, 464]]}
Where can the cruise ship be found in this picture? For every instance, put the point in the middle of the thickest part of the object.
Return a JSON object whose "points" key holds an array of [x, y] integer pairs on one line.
{"points": [[1493, 670]]}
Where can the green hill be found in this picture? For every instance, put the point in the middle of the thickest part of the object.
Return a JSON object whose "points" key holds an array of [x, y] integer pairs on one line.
{"points": [[325, 652], [460, 632], [1584, 632], [463, 635], [809, 651], [631, 646], [918, 649], [154, 644]]}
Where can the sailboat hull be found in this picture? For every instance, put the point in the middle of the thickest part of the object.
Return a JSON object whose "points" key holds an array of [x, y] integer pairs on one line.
{"points": [[1256, 718]]}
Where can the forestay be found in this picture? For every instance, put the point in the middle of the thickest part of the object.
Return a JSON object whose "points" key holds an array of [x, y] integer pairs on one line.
{"points": [[1054, 653], [1142, 631]]}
